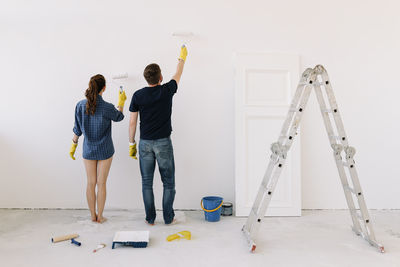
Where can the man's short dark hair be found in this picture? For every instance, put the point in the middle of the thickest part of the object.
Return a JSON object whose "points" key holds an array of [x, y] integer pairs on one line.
{"points": [[152, 73]]}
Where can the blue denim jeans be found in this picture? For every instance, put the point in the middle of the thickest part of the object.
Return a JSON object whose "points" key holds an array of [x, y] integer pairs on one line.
{"points": [[159, 150]]}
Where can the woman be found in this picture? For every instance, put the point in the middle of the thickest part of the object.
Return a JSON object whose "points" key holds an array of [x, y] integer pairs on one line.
{"points": [[93, 118]]}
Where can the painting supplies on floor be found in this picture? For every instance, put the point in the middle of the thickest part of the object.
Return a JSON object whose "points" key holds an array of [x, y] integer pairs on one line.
{"points": [[63, 238], [183, 234], [100, 246], [136, 239], [77, 243], [212, 208], [227, 209]]}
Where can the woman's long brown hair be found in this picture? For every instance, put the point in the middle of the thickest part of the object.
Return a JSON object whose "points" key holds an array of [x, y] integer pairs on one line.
{"points": [[96, 84]]}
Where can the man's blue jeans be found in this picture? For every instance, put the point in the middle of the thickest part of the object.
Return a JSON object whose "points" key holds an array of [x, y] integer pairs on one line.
{"points": [[159, 150]]}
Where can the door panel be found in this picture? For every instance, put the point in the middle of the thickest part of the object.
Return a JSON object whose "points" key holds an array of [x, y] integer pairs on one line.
{"points": [[264, 86]]}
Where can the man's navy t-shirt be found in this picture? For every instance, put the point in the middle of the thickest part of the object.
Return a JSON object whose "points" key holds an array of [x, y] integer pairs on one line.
{"points": [[155, 108]]}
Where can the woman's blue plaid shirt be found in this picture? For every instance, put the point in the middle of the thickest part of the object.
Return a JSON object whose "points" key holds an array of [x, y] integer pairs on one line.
{"points": [[96, 128]]}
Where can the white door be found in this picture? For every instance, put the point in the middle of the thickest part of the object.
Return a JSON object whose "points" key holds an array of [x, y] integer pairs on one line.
{"points": [[265, 83]]}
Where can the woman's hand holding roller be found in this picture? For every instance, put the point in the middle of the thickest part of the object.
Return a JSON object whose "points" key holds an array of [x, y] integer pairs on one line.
{"points": [[121, 99]]}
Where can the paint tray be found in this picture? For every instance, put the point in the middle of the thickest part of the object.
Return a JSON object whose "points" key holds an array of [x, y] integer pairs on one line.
{"points": [[136, 239]]}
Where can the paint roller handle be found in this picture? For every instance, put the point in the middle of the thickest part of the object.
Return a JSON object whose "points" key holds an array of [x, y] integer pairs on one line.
{"points": [[73, 241]]}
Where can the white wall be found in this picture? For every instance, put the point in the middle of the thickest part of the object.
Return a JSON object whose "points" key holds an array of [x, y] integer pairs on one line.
{"points": [[49, 49]]}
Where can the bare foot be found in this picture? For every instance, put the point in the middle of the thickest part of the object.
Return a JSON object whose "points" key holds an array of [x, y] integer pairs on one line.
{"points": [[101, 219], [174, 221], [94, 218]]}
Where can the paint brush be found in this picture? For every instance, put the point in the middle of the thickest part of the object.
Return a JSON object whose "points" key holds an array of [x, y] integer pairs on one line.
{"points": [[102, 245]]}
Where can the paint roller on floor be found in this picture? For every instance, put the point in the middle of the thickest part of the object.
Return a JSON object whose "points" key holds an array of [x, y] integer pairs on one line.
{"points": [[65, 238]]}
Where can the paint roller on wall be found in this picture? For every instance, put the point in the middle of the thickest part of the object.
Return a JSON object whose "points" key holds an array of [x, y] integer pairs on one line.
{"points": [[183, 36], [119, 77]]}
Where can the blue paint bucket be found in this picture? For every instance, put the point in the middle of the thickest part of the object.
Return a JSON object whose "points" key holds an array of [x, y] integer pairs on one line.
{"points": [[212, 208]]}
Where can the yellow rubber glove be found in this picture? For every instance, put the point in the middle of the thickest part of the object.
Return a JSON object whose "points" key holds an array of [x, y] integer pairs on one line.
{"points": [[121, 99], [184, 53], [184, 234], [132, 151], [72, 150]]}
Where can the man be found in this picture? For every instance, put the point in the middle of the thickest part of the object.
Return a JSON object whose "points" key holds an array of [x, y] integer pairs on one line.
{"points": [[154, 103]]}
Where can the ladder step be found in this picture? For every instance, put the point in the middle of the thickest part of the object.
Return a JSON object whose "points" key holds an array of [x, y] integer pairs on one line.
{"points": [[253, 211], [286, 136], [303, 83], [360, 217], [255, 214], [350, 189], [329, 110], [266, 189], [324, 83], [346, 164], [293, 110], [265, 186], [337, 137]]}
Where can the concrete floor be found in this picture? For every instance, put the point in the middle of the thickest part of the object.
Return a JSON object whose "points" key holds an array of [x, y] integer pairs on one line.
{"points": [[318, 238]]}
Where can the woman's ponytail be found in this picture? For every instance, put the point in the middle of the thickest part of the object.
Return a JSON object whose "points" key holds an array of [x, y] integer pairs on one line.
{"points": [[96, 84]]}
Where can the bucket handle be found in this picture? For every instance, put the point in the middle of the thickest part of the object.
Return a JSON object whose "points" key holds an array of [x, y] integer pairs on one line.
{"points": [[201, 203]]}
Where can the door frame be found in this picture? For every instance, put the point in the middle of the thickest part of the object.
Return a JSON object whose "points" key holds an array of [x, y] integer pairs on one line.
{"points": [[268, 62]]}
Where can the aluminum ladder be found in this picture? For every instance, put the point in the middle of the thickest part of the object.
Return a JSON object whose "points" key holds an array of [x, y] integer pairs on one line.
{"points": [[318, 80]]}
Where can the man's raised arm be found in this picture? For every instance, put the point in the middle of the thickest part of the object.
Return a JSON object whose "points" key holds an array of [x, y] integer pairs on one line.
{"points": [[181, 63]]}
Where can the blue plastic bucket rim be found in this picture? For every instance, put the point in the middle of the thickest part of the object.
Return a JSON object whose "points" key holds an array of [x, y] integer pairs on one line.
{"points": [[212, 199]]}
